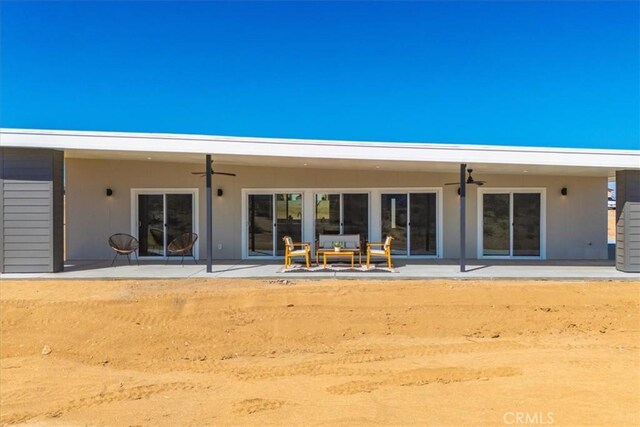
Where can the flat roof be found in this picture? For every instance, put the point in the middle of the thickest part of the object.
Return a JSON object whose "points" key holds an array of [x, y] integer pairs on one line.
{"points": [[323, 153]]}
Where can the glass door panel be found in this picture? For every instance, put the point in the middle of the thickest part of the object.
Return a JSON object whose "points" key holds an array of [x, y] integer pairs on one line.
{"points": [[355, 215], [151, 224], [288, 219], [526, 224], [496, 226], [423, 231], [260, 225], [394, 221], [327, 214], [179, 215]]}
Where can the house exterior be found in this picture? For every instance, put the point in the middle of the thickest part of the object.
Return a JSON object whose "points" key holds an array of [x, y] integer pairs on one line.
{"points": [[535, 204]]}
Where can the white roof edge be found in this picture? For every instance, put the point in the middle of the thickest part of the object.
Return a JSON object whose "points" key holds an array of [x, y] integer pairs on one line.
{"points": [[222, 138], [337, 149]]}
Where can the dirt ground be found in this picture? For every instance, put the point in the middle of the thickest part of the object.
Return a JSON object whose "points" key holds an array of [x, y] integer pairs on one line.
{"points": [[242, 352]]}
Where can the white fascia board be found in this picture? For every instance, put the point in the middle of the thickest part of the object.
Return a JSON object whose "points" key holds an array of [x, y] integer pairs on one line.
{"points": [[321, 149]]}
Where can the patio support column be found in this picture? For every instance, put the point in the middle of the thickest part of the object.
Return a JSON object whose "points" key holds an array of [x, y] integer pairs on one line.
{"points": [[463, 217], [209, 225]]}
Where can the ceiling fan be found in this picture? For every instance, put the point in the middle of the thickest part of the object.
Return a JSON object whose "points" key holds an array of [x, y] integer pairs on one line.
{"points": [[213, 172], [469, 180]]}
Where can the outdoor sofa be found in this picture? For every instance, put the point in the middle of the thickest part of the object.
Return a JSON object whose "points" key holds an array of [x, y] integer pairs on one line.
{"points": [[351, 242]]}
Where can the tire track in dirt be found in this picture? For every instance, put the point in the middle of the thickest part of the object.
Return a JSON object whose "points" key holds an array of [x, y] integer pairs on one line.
{"points": [[338, 365], [44, 393], [251, 406], [131, 393], [255, 313], [423, 376], [16, 418]]}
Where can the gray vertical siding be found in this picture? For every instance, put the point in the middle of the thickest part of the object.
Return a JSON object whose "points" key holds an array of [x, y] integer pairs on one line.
{"points": [[628, 238], [31, 214], [627, 189], [628, 221], [2, 237]]}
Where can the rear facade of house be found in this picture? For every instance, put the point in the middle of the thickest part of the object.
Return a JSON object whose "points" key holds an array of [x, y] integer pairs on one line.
{"points": [[534, 205]]}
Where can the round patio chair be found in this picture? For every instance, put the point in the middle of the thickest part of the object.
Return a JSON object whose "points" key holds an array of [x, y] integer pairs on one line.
{"points": [[124, 244], [182, 245]]}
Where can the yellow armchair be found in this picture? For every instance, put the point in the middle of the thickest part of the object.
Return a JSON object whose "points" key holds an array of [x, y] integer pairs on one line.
{"points": [[290, 251], [384, 252]]}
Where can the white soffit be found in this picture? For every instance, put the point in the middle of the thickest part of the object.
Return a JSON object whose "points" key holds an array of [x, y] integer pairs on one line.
{"points": [[120, 144]]}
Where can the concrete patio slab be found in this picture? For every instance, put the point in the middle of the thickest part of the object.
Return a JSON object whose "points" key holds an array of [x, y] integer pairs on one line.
{"points": [[413, 269]]}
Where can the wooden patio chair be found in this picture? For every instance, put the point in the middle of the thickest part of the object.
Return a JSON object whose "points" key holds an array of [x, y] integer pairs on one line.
{"points": [[124, 244], [290, 251], [182, 245], [384, 252]]}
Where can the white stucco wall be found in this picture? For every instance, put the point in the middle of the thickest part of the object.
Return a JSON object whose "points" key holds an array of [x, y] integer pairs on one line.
{"points": [[576, 224]]}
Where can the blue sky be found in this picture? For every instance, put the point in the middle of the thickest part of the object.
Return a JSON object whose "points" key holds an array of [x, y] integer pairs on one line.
{"points": [[508, 73]]}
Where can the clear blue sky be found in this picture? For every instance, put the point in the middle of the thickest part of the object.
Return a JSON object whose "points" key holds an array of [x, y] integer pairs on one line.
{"points": [[510, 73]]}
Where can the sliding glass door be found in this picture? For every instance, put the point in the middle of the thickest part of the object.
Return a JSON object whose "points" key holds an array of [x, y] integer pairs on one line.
{"points": [[355, 215], [151, 224], [394, 216], [511, 224], [260, 225], [161, 217], [271, 217], [410, 218], [496, 228], [288, 219], [328, 214], [422, 225], [178, 216], [526, 224], [342, 213]]}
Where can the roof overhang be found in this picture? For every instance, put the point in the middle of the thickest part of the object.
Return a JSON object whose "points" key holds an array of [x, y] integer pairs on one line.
{"points": [[324, 153]]}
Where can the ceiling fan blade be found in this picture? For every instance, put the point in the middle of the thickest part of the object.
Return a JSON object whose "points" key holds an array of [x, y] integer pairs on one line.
{"points": [[213, 173], [452, 183]]}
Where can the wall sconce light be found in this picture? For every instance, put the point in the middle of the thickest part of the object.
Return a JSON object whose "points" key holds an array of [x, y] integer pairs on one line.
{"points": [[109, 192], [220, 192], [564, 191]]}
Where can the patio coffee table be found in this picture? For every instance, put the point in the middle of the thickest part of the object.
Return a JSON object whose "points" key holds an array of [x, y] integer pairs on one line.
{"points": [[336, 254]]}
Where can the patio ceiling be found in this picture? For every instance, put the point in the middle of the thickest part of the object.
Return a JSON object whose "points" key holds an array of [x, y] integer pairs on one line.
{"points": [[302, 162]]}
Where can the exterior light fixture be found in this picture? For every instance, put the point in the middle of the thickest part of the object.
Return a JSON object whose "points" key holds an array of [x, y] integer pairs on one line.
{"points": [[109, 192], [564, 191], [220, 192]]}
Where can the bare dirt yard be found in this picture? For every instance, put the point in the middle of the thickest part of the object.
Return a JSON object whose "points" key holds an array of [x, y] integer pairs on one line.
{"points": [[250, 352]]}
